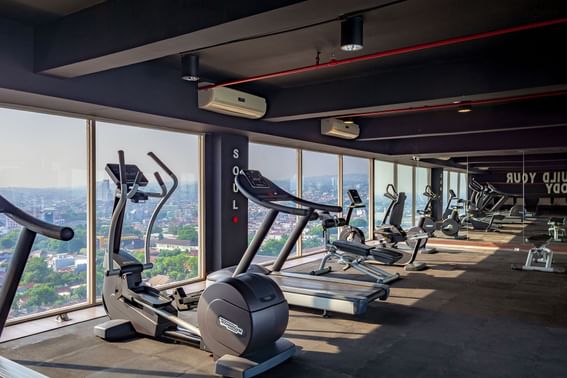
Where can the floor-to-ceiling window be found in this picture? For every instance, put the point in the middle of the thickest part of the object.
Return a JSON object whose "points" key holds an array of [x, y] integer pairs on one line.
{"points": [[383, 175], [279, 164], [463, 186], [174, 246], [405, 185], [356, 176], [43, 171], [319, 184]]}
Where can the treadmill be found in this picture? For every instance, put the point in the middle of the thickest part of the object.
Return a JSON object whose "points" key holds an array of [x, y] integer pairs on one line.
{"points": [[300, 289]]}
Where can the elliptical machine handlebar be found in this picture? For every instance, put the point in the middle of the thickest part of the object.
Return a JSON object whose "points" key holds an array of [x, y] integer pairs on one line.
{"points": [[391, 192], [164, 195], [429, 193]]}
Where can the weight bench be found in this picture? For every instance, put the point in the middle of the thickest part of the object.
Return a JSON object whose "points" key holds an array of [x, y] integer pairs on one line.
{"points": [[355, 255], [540, 258]]}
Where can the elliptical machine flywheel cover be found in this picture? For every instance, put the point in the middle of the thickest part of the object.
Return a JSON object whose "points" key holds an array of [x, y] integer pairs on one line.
{"points": [[240, 315], [450, 227]]}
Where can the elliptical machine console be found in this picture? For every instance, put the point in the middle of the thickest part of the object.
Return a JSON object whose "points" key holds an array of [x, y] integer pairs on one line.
{"points": [[241, 319]]}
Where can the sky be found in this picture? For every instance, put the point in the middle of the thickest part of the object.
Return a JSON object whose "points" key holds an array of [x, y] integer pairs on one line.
{"points": [[39, 150]]}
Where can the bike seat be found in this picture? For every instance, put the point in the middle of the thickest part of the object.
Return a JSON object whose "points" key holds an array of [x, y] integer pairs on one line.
{"points": [[352, 247], [556, 221]]}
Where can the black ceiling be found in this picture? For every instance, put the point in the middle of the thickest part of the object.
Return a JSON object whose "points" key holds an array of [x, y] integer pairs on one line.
{"points": [[42, 11], [240, 39]]}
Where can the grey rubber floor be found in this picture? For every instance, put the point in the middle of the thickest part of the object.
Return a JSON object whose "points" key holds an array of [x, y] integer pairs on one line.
{"points": [[469, 315]]}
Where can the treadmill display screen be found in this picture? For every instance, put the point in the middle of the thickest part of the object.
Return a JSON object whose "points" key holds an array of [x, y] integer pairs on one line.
{"points": [[256, 179]]}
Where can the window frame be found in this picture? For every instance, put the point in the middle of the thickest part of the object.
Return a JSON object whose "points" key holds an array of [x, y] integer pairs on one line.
{"points": [[90, 145]]}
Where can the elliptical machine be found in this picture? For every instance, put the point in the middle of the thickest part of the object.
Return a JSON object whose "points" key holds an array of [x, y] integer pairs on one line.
{"points": [[241, 319]]}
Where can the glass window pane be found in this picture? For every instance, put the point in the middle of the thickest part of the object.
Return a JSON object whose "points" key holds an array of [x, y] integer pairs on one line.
{"points": [[43, 171], [279, 164], [445, 188], [355, 176], [421, 181], [320, 184], [383, 175], [463, 185], [405, 185], [454, 182], [175, 249]]}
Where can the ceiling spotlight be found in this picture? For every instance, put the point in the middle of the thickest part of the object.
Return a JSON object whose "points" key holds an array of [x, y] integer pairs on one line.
{"points": [[348, 121], [351, 34], [465, 108], [190, 67]]}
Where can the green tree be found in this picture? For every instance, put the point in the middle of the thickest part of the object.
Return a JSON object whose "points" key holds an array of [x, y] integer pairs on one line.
{"points": [[9, 240], [6, 243], [188, 232], [36, 271], [316, 230], [79, 293], [42, 294], [272, 247]]}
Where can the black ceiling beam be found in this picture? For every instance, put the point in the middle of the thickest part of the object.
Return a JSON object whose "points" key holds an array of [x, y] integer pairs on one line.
{"points": [[552, 157], [498, 69], [520, 165], [120, 33], [534, 114], [547, 138]]}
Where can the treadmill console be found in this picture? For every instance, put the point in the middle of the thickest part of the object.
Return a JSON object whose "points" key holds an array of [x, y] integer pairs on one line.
{"points": [[354, 197], [262, 188], [132, 170], [256, 180]]}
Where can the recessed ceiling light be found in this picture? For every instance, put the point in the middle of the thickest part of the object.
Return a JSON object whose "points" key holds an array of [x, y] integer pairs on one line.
{"points": [[465, 108], [351, 34], [190, 67]]}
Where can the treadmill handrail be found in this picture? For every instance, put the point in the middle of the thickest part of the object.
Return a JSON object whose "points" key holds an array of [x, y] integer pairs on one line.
{"points": [[282, 208], [33, 224]]}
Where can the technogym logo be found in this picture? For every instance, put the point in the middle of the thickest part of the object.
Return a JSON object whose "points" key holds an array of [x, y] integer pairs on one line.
{"points": [[230, 326]]}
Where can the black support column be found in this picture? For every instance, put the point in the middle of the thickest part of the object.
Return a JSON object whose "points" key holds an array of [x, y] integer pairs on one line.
{"points": [[226, 210], [437, 187]]}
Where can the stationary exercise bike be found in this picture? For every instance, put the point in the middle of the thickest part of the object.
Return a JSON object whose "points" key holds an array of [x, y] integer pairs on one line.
{"points": [[350, 232], [241, 319]]}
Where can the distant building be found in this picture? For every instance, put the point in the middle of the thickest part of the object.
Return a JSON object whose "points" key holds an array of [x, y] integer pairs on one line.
{"points": [[62, 261], [81, 265], [183, 245], [48, 215], [9, 224]]}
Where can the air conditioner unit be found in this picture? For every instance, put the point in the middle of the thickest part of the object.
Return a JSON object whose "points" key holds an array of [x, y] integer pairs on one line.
{"points": [[232, 102], [337, 128]]}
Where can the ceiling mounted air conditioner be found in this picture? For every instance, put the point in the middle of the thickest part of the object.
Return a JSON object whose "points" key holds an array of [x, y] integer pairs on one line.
{"points": [[339, 129], [232, 102]]}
